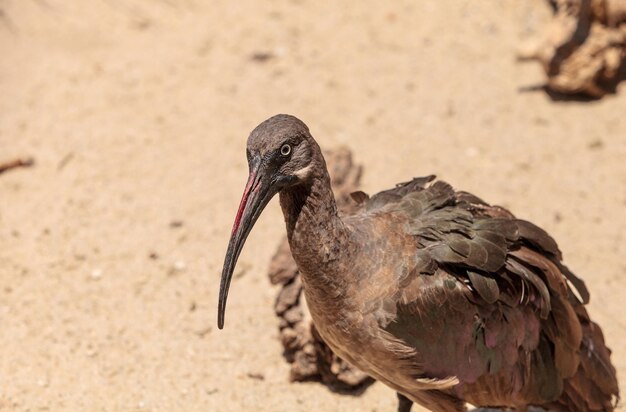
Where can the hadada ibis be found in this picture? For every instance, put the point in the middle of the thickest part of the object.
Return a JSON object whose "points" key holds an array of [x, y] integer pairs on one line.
{"points": [[437, 294]]}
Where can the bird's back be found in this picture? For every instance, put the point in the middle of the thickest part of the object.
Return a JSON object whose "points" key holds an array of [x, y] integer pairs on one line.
{"points": [[472, 293]]}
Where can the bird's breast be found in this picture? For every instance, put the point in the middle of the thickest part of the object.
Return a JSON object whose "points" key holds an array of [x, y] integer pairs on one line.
{"points": [[342, 326]]}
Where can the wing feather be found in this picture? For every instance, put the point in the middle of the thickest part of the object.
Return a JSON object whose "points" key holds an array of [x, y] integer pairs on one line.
{"points": [[484, 288]]}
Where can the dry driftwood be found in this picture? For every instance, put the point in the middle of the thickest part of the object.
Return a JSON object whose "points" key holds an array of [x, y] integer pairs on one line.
{"points": [[309, 356], [12, 164], [583, 50]]}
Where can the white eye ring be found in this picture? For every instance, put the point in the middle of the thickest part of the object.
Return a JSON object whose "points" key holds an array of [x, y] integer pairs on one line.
{"points": [[285, 150]]}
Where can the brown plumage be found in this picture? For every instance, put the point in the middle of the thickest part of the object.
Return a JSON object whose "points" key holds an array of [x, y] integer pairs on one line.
{"points": [[309, 356], [435, 293]]}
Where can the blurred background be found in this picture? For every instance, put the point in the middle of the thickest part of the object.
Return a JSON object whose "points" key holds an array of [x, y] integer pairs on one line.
{"points": [[137, 113]]}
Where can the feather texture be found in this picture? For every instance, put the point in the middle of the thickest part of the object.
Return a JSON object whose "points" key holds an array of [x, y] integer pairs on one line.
{"points": [[487, 300]]}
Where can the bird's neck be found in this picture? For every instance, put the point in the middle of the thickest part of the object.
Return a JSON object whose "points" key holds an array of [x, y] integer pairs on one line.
{"points": [[318, 238]]}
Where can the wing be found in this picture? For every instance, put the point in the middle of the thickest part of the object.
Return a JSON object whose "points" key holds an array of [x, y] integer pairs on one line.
{"points": [[476, 241], [487, 300]]}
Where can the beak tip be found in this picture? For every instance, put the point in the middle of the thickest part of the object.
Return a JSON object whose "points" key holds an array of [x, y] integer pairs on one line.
{"points": [[220, 318]]}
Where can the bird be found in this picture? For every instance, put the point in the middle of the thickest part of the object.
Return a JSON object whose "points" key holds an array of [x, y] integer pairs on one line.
{"points": [[439, 295]]}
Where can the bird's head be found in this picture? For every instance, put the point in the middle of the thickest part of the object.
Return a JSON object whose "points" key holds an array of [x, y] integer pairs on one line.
{"points": [[280, 155]]}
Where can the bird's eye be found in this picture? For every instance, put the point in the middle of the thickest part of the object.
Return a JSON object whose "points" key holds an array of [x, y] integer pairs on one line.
{"points": [[285, 150]]}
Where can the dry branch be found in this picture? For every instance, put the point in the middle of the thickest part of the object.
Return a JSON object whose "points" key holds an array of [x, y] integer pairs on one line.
{"points": [[583, 49], [15, 163]]}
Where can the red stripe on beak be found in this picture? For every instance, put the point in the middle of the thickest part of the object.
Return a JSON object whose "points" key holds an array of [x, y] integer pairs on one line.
{"points": [[244, 200]]}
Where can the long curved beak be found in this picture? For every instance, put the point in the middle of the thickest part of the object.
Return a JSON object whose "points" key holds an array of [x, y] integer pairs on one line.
{"points": [[258, 192]]}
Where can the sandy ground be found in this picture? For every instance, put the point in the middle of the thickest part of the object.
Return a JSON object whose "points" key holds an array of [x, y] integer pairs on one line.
{"points": [[137, 114]]}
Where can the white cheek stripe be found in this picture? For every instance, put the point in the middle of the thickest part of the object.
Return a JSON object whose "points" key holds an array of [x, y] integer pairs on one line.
{"points": [[303, 173]]}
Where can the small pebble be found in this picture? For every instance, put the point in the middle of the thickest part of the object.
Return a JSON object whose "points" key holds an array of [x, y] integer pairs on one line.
{"points": [[178, 267], [257, 376], [176, 224], [96, 274], [262, 57], [204, 331], [595, 144]]}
